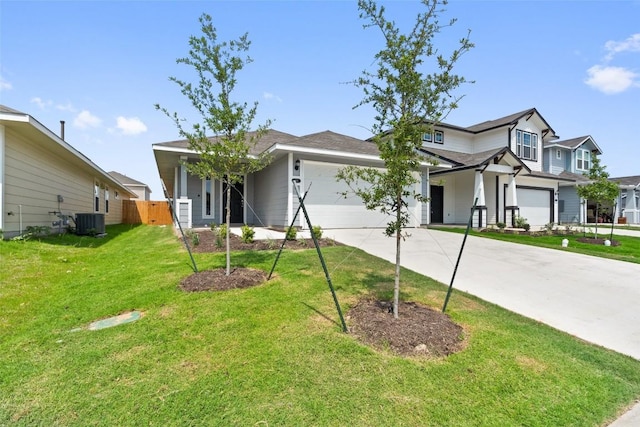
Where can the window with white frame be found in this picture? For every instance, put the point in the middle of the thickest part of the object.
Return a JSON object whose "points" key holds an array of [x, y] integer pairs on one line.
{"points": [[106, 199], [583, 160], [437, 136], [96, 196], [559, 154], [526, 145], [207, 198]]}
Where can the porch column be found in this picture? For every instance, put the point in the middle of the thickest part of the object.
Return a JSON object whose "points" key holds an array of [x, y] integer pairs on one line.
{"points": [[511, 203], [631, 211], [183, 178], [480, 213], [427, 194]]}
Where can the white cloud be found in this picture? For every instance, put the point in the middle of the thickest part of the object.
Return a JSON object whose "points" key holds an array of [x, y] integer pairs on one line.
{"points": [[42, 104], [131, 126], [631, 44], [66, 107], [611, 80], [5, 85], [269, 95], [86, 120]]}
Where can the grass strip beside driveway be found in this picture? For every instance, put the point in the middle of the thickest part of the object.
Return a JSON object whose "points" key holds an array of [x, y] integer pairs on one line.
{"points": [[269, 355], [628, 250]]}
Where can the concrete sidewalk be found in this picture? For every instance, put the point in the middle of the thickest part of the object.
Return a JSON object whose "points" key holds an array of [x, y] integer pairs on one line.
{"points": [[595, 299]]}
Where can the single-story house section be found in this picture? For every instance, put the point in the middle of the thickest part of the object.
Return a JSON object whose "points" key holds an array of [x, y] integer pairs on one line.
{"points": [[44, 180], [628, 204], [268, 197], [140, 189]]}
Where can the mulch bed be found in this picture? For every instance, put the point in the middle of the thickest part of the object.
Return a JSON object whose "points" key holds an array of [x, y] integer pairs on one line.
{"points": [[209, 243], [419, 330], [217, 280]]}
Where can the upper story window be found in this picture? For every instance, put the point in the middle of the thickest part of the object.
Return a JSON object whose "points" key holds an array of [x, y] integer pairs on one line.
{"points": [[559, 154], [437, 136], [583, 160], [526, 145]]}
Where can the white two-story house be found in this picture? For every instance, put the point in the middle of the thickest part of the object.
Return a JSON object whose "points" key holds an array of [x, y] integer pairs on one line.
{"points": [[498, 165]]}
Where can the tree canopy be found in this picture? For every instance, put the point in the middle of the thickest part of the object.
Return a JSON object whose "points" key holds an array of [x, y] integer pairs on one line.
{"points": [[223, 139], [409, 96]]}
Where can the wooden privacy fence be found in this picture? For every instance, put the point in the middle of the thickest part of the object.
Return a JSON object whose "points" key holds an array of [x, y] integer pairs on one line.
{"points": [[146, 212]]}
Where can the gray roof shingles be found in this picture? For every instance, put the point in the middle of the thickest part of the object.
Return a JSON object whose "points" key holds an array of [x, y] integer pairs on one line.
{"points": [[326, 140], [627, 180]]}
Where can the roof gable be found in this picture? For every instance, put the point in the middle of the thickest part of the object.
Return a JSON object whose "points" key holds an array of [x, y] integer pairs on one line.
{"points": [[270, 138], [123, 179], [575, 143], [467, 161]]}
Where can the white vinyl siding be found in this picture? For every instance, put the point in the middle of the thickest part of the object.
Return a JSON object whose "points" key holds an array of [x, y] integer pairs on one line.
{"points": [[489, 140], [452, 140]]}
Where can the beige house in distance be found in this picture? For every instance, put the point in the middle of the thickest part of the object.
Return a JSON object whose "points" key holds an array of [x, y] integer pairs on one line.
{"points": [[140, 189], [44, 181]]}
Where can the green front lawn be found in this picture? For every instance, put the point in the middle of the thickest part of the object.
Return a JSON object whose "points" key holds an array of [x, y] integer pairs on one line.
{"points": [[628, 250], [269, 355]]}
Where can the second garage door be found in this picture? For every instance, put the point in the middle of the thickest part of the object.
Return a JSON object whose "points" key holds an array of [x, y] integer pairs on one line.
{"points": [[535, 205]]}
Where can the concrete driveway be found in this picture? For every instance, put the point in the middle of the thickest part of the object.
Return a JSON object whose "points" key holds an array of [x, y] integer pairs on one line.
{"points": [[593, 298]]}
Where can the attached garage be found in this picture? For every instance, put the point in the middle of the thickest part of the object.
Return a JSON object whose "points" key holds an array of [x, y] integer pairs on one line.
{"points": [[326, 204], [535, 205]]}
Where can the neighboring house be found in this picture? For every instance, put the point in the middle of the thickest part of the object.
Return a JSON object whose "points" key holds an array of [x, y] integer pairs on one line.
{"points": [[628, 204], [498, 164], [140, 189], [44, 180], [571, 159]]}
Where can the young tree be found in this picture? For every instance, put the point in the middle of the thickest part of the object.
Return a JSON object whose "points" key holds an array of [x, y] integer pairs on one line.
{"points": [[599, 190], [225, 155], [408, 102]]}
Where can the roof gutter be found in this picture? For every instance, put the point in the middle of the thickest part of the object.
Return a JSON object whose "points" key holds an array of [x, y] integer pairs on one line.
{"points": [[26, 118]]}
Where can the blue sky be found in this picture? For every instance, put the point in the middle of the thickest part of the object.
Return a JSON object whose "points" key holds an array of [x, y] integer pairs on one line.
{"points": [[102, 65]]}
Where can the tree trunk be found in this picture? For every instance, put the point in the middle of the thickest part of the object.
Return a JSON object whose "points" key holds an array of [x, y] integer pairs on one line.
{"points": [[228, 221], [597, 218], [396, 284]]}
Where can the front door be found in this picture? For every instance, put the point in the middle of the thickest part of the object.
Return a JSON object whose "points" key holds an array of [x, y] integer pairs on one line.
{"points": [[437, 204], [237, 204]]}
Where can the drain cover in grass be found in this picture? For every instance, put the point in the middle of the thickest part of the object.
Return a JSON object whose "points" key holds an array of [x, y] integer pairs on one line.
{"points": [[129, 317]]}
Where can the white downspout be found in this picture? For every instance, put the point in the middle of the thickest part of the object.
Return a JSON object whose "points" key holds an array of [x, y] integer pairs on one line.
{"points": [[289, 190]]}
